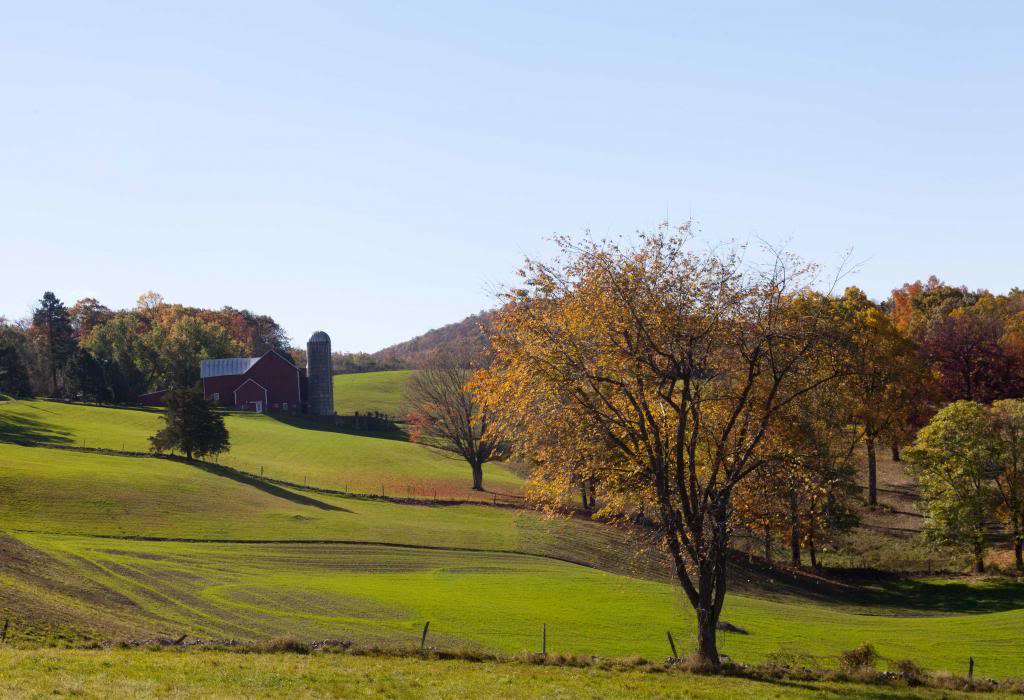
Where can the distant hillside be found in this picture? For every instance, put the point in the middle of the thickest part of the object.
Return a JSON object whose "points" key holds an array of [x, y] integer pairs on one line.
{"points": [[465, 335]]}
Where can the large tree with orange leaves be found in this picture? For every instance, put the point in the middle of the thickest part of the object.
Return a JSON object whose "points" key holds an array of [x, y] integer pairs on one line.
{"points": [[883, 373], [667, 369]]}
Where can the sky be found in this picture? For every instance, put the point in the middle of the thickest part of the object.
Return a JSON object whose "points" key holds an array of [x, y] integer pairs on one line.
{"points": [[381, 168]]}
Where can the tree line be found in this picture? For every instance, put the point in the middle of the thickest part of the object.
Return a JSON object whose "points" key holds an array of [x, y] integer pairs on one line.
{"points": [[94, 353]]}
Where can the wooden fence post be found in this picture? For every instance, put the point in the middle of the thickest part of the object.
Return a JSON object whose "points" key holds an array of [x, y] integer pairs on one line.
{"points": [[3, 635], [672, 643], [970, 668], [544, 640], [423, 639]]}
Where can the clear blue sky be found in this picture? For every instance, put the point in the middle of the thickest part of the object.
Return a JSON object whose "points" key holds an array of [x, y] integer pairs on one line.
{"points": [[377, 169]]}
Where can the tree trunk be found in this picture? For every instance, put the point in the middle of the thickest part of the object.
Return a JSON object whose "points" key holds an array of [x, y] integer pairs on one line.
{"points": [[794, 529], [812, 551], [583, 495], [895, 452], [707, 628], [767, 543], [478, 477], [869, 441], [1018, 552], [979, 557]]}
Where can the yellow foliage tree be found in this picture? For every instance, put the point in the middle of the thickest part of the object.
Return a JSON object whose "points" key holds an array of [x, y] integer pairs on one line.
{"points": [[659, 372]]}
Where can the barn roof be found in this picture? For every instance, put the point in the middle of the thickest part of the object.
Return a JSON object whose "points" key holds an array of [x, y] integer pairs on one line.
{"points": [[225, 367]]}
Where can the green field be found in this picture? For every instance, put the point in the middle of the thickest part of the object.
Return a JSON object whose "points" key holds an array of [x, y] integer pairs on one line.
{"points": [[101, 674], [103, 546], [267, 561], [383, 392], [296, 449], [491, 601]]}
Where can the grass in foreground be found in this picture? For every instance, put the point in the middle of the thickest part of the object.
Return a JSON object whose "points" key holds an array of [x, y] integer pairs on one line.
{"points": [[480, 600], [140, 674], [492, 599]]}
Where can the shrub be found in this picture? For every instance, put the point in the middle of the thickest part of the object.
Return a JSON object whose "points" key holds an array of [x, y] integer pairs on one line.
{"points": [[282, 645], [860, 659], [909, 671]]}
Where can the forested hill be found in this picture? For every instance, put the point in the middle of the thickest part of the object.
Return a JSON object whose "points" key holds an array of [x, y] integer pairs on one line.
{"points": [[466, 335]]}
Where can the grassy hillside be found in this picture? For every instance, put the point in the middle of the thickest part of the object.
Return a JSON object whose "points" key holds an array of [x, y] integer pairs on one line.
{"points": [[61, 491], [100, 674], [488, 600], [297, 450], [366, 392], [312, 565]]}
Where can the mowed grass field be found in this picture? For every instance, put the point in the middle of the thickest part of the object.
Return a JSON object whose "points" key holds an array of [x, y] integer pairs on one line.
{"points": [[298, 450], [491, 601], [366, 392], [250, 560], [138, 674]]}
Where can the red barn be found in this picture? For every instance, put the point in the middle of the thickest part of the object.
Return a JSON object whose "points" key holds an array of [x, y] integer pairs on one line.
{"points": [[267, 383]]}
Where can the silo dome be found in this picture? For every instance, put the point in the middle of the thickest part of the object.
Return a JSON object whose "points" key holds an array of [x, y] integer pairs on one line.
{"points": [[319, 375]]}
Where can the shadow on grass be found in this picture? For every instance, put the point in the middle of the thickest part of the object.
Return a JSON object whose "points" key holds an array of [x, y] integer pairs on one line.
{"points": [[257, 483], [21, 428], [871, 591], [309, 423], [992, 595]]}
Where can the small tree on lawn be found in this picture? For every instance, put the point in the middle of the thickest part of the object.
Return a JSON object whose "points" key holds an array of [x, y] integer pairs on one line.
{"points": [[193, 426], [956, 457], [445, 415]]}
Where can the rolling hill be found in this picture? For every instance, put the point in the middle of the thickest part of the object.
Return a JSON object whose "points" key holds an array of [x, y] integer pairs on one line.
{"points": [[291, 449], [462, 336], [103, 545]]}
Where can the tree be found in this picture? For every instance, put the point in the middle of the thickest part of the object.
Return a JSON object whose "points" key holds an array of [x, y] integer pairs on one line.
{"points": [[679, 363], [445, 415], [120, 351], [811, 496], [969, 352], [14, 377], [956, 457], [51, 326], [1008, 425], [192, 426], [87, 314], [881, 374], [86, 376], [176, 348]]}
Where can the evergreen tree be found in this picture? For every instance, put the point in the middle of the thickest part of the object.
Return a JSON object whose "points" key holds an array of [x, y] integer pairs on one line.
{"points": [[193, 426], [51, 326]]}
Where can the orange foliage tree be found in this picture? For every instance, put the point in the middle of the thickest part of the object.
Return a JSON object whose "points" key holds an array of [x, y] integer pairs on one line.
{"points": [[882, 377]]}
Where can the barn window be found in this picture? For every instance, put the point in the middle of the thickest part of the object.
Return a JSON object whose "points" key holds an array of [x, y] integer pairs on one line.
{"points": [[215, 396], [284, 406]]}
